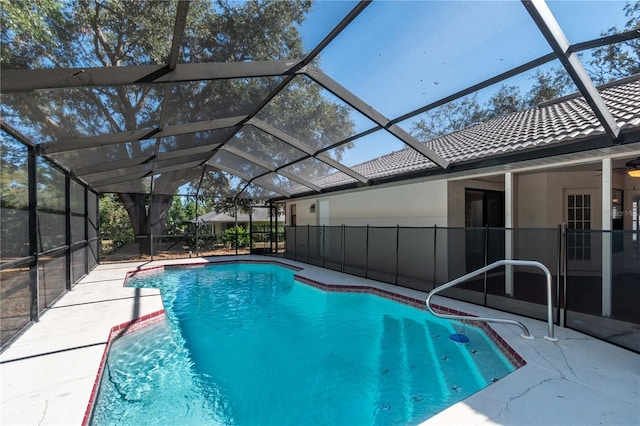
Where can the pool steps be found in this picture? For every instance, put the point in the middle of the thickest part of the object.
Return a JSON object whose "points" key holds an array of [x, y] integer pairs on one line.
{"points": [[507, 262]]}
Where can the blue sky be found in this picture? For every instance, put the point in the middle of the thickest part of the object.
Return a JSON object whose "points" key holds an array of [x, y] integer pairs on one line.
{"points": [[400, 55]]}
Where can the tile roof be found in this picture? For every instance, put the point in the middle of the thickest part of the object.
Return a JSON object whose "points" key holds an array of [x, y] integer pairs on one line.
{"points": [[563, 121]]}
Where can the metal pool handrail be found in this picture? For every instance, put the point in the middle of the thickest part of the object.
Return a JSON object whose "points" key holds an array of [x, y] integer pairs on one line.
{"points": [[484, 269]]}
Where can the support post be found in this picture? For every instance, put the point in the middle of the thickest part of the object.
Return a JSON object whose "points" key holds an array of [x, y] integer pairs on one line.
{"points": [[67, 231], [435, 257], [308, 243], [561, 280], [271, 233], [508, 232], [324, 239], [397, 251], [250, 229], [197, 224], [87, 247], [366, 255], [486, 262], [33, 234], [606, 237], [342, 248]]}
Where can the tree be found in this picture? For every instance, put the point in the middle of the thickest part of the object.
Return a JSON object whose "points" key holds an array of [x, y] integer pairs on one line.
{"points": [[14, 198], [506, 100], [114, 222], [28, 24], [549, 85], [181, 212], [448, 118], [235, 235], [112, 33], [618, 60], [604, 64]]}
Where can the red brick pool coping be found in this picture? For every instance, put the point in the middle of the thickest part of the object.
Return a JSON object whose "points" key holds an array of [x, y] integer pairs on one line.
{"points": [[118, 331], [155, 317]]}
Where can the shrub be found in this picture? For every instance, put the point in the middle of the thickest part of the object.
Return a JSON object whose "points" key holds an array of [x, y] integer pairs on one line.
{"points": [[229, 237]]}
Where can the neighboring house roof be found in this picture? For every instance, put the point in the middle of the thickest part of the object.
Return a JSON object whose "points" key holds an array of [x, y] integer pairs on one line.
{"points": [[258, 215], [563, 121]]}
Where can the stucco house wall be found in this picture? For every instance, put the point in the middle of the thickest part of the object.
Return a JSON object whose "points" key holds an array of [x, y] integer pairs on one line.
{"points": [[422, 204], [539, 201]]}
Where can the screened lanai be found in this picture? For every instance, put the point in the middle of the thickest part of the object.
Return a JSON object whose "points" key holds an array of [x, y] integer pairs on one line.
{"points": [[124, 110], [263, 102]]}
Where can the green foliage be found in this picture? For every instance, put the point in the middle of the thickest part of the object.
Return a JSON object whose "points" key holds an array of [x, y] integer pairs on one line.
{"points": [[618, 60], [114, 222], [122, 32], [14, 199], [507, 100], [180, 214], [176, 219], [448, 118], [605, 64], [14, 191], [50, 187], [262, 233], [31, 26], [230, 235]]}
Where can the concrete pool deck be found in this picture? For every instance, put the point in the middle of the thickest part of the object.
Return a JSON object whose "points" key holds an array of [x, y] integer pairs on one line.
{"points": [[47, 375]]}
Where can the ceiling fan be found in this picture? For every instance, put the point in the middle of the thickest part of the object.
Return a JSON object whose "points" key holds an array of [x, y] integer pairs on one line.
{"points": [[633, 167]]}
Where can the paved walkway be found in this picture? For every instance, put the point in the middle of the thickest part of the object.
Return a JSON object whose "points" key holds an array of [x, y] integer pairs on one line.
{"points": [[48, 374]]}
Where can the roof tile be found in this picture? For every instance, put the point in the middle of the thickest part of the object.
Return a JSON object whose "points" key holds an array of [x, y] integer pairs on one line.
{"points": [[561, 122]]}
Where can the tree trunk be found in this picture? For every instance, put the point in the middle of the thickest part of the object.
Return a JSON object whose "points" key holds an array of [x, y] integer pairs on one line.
{"points": [[147, 216]]}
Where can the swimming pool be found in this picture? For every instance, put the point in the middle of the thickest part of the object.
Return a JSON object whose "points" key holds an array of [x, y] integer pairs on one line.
{"points": [[247, 344]]}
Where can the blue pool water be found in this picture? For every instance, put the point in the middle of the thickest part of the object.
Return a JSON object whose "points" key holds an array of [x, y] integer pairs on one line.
{"points": [[245, 344]]}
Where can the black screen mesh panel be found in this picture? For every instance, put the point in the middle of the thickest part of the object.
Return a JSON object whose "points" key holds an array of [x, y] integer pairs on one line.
{"points": [[51, 206], [196, 101], [51, 230], [264, 147], [316, 245], [290, 242], [237, 164], [355, 250], [416, 268], [382, 254], [333, 247], [192, 143], [76, 193], [52, 278], [453, 261], [93, 254], [302, 242], [87, 160], [523, 289], [16, 301], [78, 264], [302, 126], [14, 196], [91, 111], [584, 271]]}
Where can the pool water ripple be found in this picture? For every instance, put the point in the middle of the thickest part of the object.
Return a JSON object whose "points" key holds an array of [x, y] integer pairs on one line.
{"points": [[245, 344]]}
